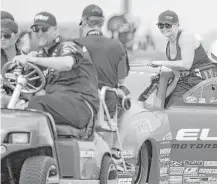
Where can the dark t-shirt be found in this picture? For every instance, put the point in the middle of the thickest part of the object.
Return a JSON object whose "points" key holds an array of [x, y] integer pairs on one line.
{"points": [[109, 57], [81, 79]]}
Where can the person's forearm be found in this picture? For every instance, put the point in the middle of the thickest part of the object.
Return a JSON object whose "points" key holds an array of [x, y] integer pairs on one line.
{"points": [[177, 65], [58, 63]]}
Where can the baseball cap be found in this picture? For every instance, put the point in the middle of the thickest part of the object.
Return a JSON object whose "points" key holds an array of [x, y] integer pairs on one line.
{"points": [[45, 19], [93, 11], [8, 26], [169, 17], [6, 15]]}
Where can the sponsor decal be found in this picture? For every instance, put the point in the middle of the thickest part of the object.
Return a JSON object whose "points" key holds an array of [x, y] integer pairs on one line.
{"points": [[165, 151], [129, 172], [87, 154], [168, 136], [124, 180], [193, 163], [164, 170], [208, 180], [212, 100], [202, 100], [176, 170], [191, 171], [175, 179], [176, 163], [169, 17], [141, 126], [190, 99], [163, 160], [126, 173], [163, 182], [194, 134], [126, 153], [193, 146], [208, 171], [41, 17], [210, 163], [191, 180]]}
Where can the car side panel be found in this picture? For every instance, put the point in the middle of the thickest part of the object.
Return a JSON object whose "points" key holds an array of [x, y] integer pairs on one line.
{"points": [[194, 144]]}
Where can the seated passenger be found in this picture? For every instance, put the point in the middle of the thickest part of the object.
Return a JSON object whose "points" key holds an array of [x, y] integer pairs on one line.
{"points": [[108, 55], [9, 36], [71, 80], [185, 54]]}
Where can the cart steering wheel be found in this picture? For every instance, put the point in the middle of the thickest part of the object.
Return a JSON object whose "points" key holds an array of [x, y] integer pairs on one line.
{"points": [[27, 78]]}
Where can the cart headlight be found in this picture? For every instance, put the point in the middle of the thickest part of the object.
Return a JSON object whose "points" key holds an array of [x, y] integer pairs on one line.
{"points": [[19, 138], [3, 149]]}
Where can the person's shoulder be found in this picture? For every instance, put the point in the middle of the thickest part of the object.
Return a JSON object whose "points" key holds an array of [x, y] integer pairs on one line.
{"points": [[187, 37], [69, 42], [185, 34], [116, 44]]}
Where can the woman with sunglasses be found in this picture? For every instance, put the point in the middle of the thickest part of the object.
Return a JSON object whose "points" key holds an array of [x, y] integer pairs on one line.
{"points": [[9, 37], [185, 54]]}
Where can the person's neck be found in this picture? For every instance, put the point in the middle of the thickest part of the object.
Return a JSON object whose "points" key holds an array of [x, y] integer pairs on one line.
{"points": [[10, 53], [173, 37], [46, 48], [92, 30]]}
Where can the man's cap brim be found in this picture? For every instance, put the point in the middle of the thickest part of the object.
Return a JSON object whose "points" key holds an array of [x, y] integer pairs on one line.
{"points": [[44, 24], [165, 22]]}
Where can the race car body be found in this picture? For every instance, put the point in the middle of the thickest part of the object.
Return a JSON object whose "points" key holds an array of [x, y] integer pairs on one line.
{"points": [[182, 140]]}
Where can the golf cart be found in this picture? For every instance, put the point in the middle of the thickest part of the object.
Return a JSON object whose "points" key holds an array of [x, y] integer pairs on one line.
{"points": [[36, 150]]}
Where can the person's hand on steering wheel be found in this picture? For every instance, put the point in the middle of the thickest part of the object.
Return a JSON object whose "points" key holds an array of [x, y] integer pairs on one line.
{"points": [[176, 73], [21, 59]]}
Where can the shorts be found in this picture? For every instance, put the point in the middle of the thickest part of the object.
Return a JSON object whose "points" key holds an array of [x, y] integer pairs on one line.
{"points": [[66, 108]]}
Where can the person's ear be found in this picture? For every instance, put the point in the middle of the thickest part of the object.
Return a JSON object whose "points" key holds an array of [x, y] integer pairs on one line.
{"points": [[16, 37], [56, 32]]}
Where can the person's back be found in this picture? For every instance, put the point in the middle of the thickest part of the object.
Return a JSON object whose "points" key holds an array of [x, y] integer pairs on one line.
{"points": [[108, 55], [109, 58]]}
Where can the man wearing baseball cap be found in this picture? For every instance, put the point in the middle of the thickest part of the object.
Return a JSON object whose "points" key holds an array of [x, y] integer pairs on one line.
{"points": [[107, 54], [71, 87], [186, 57]]}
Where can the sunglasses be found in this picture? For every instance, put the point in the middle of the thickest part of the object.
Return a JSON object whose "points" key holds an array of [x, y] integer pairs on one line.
{"points": [[6, 35], [167, 26], [37, 29]]}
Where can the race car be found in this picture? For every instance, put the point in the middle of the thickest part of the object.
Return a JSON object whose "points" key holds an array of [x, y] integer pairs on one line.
{"points": [[183, 138], [146, 144]]}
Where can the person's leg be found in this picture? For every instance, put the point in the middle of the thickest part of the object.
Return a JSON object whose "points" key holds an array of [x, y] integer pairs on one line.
{"points": [[180, 89], [111, 102], [64, 109]]}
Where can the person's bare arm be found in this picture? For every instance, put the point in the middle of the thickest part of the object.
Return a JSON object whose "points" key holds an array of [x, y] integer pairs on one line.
{"points": [[122, 69], [63, 63], [188, 45]]}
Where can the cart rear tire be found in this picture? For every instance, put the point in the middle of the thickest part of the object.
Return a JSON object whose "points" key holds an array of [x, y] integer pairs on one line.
{"points": [[39, 170], [108, 172]]}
